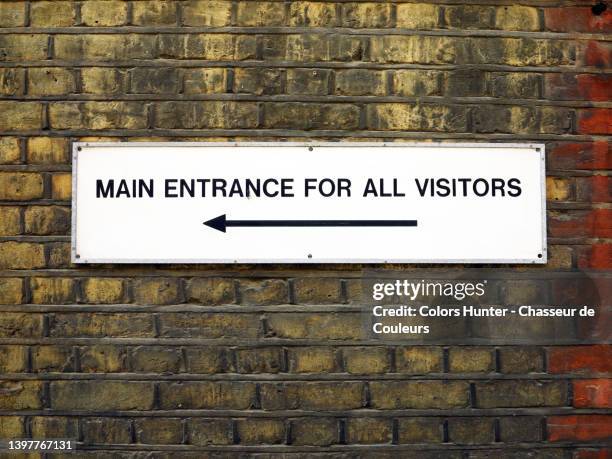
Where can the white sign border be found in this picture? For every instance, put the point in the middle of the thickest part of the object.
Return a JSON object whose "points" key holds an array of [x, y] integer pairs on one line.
{"points": [[77, 147]]}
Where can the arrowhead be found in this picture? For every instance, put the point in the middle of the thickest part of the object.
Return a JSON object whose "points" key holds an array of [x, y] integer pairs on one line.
{"points": [[218, 223]]}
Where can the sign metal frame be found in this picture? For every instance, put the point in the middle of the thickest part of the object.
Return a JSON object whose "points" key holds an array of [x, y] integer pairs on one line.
{"points": [[78, 146]]}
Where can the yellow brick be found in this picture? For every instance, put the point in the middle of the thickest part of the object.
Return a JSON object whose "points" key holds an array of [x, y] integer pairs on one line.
{"points": [[102, 47], [106, 359], [102, 290], [366, 360], [157, 291], [522, 120], [258, 431], [416, 82], [418, 359], [554, 120], [159, 431], [207, 13], [11, 427], [12, 81], [261, 14], [98, 115], [102, 80], [558, 189], [44, 220], [270, 291], [13, 360], [52, 358], [12, 14], [358, 82], [312, 14], [10, 151], [469, 16], [517, 17], [21, 255], [314, 431], [9, 221], [20, 186], [52, 290], [417, 16], [92, 138], [104, 13], [559, 257], [11, 290], [525, 51], [417, 117], [369, 430], [59, 255], [54, 427], [245, 47], [155, 12], [413, 49], [20, 395], [518, 85], [205, 81], [52, 14], [19, 48], [20, 115], [50, 81], [220, 47], [371, 15], [206, 114], [308, 81], [61, 187], [112, 395], [317, 291], [419, 430], [48, 150], [316, 326], [471, 360], [20, 325], [211, 291], [106, 430]]}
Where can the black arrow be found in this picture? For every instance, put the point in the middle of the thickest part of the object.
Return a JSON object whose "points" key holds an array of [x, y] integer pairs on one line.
{"points": [[220, 223]]}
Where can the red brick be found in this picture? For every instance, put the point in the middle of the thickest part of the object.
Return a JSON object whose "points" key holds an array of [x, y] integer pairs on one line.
{"points": [[595, 87], [602, 285], [593, 393], [580, 155], [597, 328], [590, 223], [597, 188], [593, 454], [597, 54], [579, 428], [577, 19], [571, 86], [595, 121], [598, 289], [597, 359], [580, 290], [595, 256]]}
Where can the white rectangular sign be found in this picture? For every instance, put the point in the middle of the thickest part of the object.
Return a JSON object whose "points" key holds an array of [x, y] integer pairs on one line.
{"points": [[308, 203]]}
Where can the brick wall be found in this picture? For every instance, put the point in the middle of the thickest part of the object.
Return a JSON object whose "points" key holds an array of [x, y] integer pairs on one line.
{"points": [[184, 361]]}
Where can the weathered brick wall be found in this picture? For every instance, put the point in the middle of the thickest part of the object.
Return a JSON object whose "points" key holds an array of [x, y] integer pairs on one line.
{"points": [[214, 361]]}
